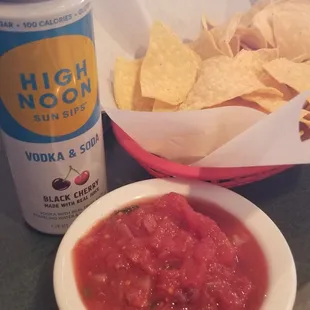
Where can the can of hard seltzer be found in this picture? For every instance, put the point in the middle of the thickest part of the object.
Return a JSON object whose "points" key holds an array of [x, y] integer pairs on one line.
{"points": [[50, 114]]}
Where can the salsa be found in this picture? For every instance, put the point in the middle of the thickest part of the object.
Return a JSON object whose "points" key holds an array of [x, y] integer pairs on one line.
{"points": [[164, 255]]}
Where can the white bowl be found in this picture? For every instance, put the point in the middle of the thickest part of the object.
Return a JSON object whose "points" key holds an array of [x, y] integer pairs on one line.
{"points": [[282, 273]]}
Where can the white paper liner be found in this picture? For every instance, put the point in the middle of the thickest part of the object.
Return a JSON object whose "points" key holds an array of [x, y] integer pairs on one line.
{"points": [[231, 136]]}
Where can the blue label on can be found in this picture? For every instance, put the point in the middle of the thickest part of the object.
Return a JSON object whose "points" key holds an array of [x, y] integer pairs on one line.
{"points": [[49, 85]]}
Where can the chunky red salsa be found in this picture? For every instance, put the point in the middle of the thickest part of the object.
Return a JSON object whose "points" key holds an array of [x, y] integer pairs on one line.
{"points": [[163, 255]]}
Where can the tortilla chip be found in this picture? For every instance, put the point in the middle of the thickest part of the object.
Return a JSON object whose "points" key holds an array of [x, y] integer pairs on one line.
{"points": [[240, 102], [258, 6], [263, 22], [204, 22], [160, 106], [305, 117], [169, 68], [126, 82], [207, 23], [292, 32], [251, 38], [127, 90], [269, 103], [305, 113], [255, 60], [235, 45], [295, 75], [223, 34], [258, 57], [205, 46], [245, 47], [301, 58], [143, 104], [222, 78]]}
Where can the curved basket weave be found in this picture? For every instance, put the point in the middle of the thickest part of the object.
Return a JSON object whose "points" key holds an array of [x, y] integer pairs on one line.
{"points": [[162, 168]]}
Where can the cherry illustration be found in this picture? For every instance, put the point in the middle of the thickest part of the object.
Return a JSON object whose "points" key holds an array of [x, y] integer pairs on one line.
{"points": [[82, 178], [60, 184]]}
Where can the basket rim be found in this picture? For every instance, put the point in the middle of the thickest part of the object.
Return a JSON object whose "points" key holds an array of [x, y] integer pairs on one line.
{"points": [[179, 170]]}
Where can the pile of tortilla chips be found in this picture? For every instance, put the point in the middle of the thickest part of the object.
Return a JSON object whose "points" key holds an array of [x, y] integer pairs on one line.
{"points": [[260, 60]]}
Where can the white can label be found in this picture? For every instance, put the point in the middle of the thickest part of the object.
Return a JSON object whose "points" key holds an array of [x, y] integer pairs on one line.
{"points": [[50, 118]]}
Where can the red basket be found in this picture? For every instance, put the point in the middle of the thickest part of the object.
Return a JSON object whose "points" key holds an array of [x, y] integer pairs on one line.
{"points": [[163, 168]]}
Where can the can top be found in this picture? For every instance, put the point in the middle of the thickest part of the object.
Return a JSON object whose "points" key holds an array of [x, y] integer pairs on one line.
{"points": [[15, 9]]}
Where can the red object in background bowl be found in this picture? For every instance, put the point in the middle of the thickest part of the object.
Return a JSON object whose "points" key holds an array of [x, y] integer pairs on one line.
{"points": [[163, 168]]}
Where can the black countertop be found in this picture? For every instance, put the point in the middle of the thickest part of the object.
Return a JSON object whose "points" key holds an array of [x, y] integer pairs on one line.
{"points": [[27, 257]]}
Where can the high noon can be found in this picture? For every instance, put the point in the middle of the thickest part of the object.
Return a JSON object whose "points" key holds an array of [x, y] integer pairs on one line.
{"points": [[50, 114]]}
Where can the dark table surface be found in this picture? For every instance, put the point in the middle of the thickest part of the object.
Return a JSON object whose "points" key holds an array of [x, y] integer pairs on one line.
{"points": [[27, 257]]}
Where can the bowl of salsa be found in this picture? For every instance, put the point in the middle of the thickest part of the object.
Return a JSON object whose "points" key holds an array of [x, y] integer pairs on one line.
{"points": [[174, 245]]}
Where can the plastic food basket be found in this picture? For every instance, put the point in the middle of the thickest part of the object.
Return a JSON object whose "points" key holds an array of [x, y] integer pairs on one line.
{"points": [[162, 168]]}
